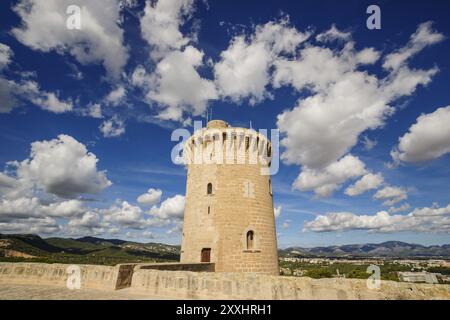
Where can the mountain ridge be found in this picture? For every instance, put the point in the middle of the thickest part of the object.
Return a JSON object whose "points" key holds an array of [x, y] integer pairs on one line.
{"points": [[110, 251]]}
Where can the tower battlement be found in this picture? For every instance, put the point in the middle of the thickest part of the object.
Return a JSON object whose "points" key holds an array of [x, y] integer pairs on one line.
{"points": [[219, 143]]}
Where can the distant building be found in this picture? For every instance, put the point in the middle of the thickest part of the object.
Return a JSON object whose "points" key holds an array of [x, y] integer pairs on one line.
{"points": [[418, 277]]}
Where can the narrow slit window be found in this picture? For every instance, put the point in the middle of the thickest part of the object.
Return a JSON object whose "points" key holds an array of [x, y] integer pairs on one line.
{"points": [[209, 188], [250, 240]]}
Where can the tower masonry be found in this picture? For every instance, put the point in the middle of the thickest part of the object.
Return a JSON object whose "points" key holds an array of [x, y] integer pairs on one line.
{"points": [[229, 215]]}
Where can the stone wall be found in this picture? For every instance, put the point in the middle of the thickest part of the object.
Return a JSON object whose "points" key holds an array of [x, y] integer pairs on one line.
{"points": [[190, 285], [92, 276], [214, 285]]}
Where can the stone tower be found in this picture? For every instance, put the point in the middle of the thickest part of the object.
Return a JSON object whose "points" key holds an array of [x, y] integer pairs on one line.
{"points": [[229, 215]]}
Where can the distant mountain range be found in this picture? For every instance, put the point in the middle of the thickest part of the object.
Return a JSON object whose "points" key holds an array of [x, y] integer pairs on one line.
{"points": [[83, 250], [389, 249], [92, 250]]}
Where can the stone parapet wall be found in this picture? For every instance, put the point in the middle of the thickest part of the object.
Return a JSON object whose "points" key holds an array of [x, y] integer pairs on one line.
{"points": [[190, 285], [92, 276], [214, 285]]}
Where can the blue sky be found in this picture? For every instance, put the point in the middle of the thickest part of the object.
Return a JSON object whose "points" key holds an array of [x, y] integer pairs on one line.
{"points": [[363, 114]]}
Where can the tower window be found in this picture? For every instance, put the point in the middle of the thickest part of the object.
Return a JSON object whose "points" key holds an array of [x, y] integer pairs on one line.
{"points": [[250, 239], [209, 188], [209, 209]]}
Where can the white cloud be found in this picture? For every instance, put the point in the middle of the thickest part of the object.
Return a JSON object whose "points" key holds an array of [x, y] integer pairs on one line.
{"points": [[5, 55], [431, 212], [368, 143], [427, 139], [243, 71], [87, 220], [176, 85], [113, 127], [11, 92], [367, 182], [116, 96], [324, 182], [403, 207], [94, 111], [31, 225], [24, 208], [333, 34], [125, 215], [342, 101], [391, 195], [100, 39], [63, 167], [7, 100], [420, 220], [171, 208], [160, 25], [423, 37], [150, 198], [277, 211]]}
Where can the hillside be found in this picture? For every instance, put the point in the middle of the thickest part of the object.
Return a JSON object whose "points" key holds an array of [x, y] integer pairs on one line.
{"points": [[90, 250], [389, 249]]}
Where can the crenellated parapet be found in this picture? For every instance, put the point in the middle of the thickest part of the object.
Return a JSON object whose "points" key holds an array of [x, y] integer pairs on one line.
{"points": [[219, 143]]}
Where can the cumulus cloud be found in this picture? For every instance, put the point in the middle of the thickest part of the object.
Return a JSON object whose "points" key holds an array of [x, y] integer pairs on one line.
{"points": [[113, 127], [12, 93], [324, 182], [100, 39], [27, 207], [161, 22], [32, 225], [391, 195], [88, 220], [243, 70], [342, 100], [150, 198], [419, 220], [63, 167], [5, 55], [423, 37], [400, 208], [367, 182], [171, 208], [116, 96], [93, 110], [178, 87], [126, 215], [427, 139]]}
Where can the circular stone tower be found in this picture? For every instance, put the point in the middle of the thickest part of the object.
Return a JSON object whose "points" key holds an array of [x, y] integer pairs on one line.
{"points": [[229, 216]]}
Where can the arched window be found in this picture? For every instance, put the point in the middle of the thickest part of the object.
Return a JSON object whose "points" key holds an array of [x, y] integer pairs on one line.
{"points": [[250, 239], [209, 188]]}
